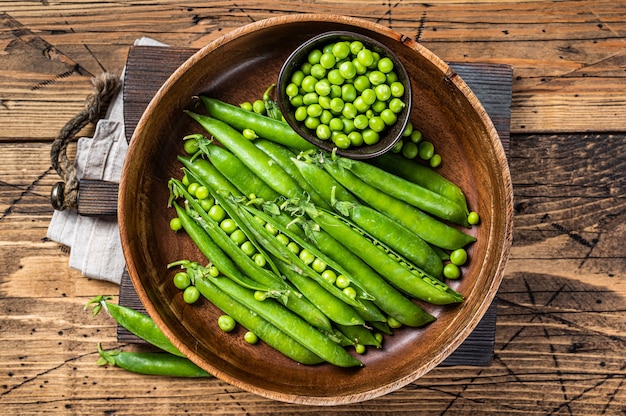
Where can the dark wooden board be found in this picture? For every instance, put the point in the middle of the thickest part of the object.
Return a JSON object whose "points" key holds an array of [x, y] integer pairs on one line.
{"points": [[148, 67]]}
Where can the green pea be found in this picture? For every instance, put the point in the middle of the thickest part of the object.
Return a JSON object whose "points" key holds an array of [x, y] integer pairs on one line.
{"points": [[360, 104], [308, 83], [311, 122], [296, 101], [250, 337], [271, 229], [350, 292], [260, 296], [396, 105], [451, 271], [388, 117], [314, 56], [370, 136], [314, 110], [341, 50], [361, 83], [369, 96], [435, 161], [356, 138], [228, 225], [385, 65], [408, 129], [318, 71], [323, 132], [175, 224], [322, 87], [292, 89], [335, 77], [356, 46], [426, 150], [191, 294], [458, 256], [318, 265], [306, 256], [246, 105], [327, 60], [347, 70], [301, 113], [329, 275], [397, 89], [326, 114], [193, 187], [393, 322], [348, 93], [336, 124], [365, 57], [376, 124], [248, 134], [342, 282], [383, 92], [226, 323], [259, 259], [248, 248], [283, 239], [181, 280], [297, 77], [409, 150], [310, 98], [377, 78], [258, 106], [217, 213], [397, 148], [349, 111], [416, 136], [473, 218], [359, 348], [341, 141], [293, 247]]}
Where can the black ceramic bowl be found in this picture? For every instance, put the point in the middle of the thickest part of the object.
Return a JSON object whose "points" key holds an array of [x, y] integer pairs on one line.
{"points": [[388, 137]]}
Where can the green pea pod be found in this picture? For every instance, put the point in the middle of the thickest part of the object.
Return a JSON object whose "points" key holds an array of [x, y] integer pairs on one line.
{"points": [[233, 307], [290, 297], [134, 321], [283, 253], [369, 311], [387, 298], [325, 185], [288, 322], [380, 226], [398, 238], [254, 158], [152, 363], [359, 335], [331, 306], [407, 191], [421, 175], [282, 156], [213, 253], [421, 287], [209, 174], [422, 224], [237, 172], [265, 127]]}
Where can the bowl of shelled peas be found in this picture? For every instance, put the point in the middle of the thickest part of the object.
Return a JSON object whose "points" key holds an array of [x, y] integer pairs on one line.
{"points": [[315, 270], [346, 92]]}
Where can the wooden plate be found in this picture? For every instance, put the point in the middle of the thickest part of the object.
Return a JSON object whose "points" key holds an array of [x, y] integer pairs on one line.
{"points": [[238, 67]]}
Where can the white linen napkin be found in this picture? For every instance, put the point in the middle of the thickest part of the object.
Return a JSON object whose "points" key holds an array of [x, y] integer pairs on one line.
{"points": [[94, 243]]}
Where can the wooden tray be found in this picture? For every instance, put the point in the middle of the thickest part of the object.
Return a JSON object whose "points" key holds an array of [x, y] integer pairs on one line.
{"points": [[147, 67]]}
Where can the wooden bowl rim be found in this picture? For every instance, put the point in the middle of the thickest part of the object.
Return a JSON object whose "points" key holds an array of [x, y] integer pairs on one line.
{"points": [[503, 246]]}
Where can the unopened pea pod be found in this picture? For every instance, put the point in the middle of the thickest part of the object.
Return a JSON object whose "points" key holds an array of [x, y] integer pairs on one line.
{"points": [[282, 155], [152, 363], [398, 238], [288, 322], [424, 288], [265, 127], [242, 314], [292, 299], [254, 158], [387, 297], [136, 322], [336, 310], [325, 185], [422, 175], [237, 172], [209, 174], [409, 192], [428, 228]]}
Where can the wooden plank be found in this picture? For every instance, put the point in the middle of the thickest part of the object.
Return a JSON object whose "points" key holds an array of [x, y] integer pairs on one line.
{"points": [[148, 67], [568, 56]]}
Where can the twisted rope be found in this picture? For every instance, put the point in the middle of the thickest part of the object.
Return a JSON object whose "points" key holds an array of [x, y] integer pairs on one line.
{"points": [[65, 194]]}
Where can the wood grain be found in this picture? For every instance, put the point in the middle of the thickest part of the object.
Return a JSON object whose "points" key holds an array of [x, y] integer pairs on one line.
{"points": [[561, 327], [568, 56]]}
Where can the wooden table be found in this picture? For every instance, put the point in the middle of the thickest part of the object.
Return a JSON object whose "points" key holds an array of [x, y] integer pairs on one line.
{"points": [[561, 330]]}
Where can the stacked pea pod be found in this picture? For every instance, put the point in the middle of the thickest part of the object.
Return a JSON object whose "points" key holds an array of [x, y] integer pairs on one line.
{"points": [[322, 250]]}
